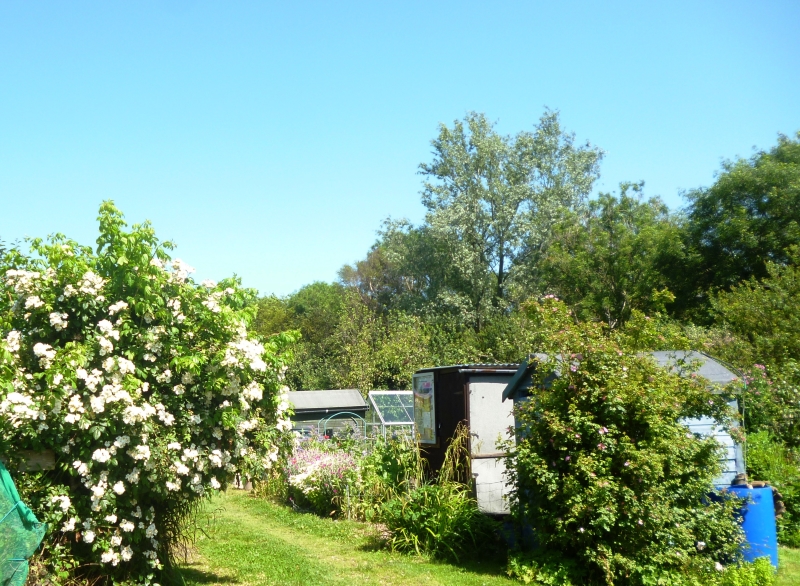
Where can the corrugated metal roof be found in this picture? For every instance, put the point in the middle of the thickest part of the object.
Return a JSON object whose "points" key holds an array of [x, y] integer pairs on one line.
{"points": [[513, 366], [336, 400]]}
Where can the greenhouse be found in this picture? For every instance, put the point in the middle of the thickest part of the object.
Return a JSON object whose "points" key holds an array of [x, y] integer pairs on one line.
{"points": [[392, 412]]}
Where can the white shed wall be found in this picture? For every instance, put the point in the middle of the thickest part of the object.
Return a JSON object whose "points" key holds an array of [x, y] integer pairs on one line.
{"points": [[489, 420]]}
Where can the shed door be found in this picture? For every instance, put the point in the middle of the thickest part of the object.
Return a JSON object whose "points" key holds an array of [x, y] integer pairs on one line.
{"points": [[489, 420]]}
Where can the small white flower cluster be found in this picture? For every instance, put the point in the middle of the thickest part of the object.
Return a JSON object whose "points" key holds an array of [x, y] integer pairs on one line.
{"points": [[117, 307], [244, 351], [180, 271], [45, 354], [22, 281], [12, 341], [90, 284], [59, 321], [19, 408]]}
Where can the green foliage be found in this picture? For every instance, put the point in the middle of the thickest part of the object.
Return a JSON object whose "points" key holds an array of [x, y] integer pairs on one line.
{"points": [[492, 200], [439, 518], [764, 312], [771, 401], [550, 569], [748, 218], [768, 459], [392, 466], [602, 469], [616, 258]]}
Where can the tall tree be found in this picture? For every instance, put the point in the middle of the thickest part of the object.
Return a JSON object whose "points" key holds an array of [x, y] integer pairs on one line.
{"points": [[616, 258], [493, 199], [748, 218]]}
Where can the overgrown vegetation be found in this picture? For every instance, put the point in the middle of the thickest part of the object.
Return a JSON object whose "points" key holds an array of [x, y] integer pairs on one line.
{"points": [[509, 222], [385, 481], [613, 486], [152, 394]]}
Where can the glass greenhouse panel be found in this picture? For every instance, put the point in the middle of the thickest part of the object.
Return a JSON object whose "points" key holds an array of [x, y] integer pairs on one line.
{"points": [[393, 407]]}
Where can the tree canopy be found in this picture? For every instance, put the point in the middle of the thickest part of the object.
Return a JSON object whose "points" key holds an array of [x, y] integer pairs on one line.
{"points": [[748, 218], [493, 199]]}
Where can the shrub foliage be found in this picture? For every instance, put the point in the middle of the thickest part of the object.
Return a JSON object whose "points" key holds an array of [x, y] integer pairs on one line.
{"points": [[144, 384], [614, 486]]}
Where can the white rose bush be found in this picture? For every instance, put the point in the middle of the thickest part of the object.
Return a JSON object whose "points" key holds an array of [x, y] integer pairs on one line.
{"points": [[144, 384]]}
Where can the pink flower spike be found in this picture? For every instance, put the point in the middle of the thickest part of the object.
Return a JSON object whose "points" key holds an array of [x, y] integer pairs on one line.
{"points": [[603, 430], [627, 464]]}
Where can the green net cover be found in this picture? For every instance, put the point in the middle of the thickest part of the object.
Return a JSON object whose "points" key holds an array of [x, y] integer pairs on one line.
{"points": [[20, 533]]}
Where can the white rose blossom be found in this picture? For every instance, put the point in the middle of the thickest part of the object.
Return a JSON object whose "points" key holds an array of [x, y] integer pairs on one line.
{"points": [[117, 307], [126, 526], [13, 341]]}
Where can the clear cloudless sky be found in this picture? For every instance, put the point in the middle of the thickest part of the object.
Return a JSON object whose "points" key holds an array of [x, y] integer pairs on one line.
{"points": [[270, 139]]}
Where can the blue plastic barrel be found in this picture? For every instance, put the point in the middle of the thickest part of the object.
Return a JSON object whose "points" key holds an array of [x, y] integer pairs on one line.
{"points": [[760, 531]]}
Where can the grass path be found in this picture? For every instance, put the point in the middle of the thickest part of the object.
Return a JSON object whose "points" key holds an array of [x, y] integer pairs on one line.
{"points": [[789, 567], [253, 542]]}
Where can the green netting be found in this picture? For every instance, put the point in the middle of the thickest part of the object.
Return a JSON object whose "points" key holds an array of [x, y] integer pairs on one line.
{"points": [[20, 533]]}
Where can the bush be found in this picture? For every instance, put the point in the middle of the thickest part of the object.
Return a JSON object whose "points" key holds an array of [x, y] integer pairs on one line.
{"points": [[530, 568], [391, 467], [772, 401], [439, 518], [144, 384], [603, 471], [768, 459], [319, 479]]}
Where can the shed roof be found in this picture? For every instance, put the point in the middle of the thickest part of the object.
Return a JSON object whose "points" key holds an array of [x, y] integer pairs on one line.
{"points": [[469, 367], [329, 400], [681, 362]]}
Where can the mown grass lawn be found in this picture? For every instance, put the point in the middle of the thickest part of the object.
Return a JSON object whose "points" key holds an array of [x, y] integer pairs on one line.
{"points": [[252, 542], [255, 542]]}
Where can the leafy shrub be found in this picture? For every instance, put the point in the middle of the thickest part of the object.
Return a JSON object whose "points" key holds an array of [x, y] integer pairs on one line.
{"points": [[391, 467], [603, 471], [439, 518], [771, 401], [144, 384], [554, 570], [768, 459]]}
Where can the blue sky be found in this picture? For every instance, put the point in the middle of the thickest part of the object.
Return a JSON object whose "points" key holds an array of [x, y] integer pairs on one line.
{"points": [[271, 139]]}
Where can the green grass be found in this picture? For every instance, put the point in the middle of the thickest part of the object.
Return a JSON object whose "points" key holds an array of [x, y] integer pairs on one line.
{"points": [[251, 542], [255, 542], [788, 567]]}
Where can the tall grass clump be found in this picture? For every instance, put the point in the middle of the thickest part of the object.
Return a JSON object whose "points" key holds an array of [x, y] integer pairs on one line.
{"points": [[439, 518]]}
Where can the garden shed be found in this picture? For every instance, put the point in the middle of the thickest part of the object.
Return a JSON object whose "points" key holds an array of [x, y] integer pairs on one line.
{"points": [[444, 396], [316, 411], [684, 363]]}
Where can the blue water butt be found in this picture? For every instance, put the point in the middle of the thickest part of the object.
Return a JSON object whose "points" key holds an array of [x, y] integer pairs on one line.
{"points": [[760, 531]]}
